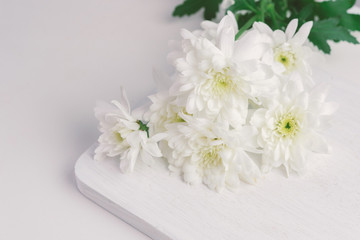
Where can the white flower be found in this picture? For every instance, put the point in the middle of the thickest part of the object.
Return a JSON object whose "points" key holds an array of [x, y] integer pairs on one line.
{"points": [[211, 153], [124, 136], [287, 53], [290, 126], [216, 79]]}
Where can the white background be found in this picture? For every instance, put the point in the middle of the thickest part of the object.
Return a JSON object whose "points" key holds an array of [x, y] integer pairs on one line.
{"points": [[56, 59]]}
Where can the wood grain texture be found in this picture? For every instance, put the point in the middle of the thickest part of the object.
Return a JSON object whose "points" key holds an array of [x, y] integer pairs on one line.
{"points": [[322, 204]]}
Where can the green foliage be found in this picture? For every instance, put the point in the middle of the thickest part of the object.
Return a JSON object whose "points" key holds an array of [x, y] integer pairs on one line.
{"points": [[190, 7], [331, 20], [329, 29]]}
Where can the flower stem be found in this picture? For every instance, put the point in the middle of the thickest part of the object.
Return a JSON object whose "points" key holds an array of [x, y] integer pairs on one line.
{"points": [[285, 5], [250, 7], [143, 127], [246, 26]]}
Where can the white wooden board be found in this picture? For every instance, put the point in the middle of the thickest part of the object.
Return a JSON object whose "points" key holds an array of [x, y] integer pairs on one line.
{"points": [[322, 204]]}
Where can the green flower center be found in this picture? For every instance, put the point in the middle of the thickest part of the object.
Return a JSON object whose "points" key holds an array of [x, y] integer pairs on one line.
{"points": [[286, 58], [221, 83], [210, 156], [287, 126]]}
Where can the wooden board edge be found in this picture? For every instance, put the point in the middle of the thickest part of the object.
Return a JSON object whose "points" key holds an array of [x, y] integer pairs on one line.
{"points": [[109, 205]]}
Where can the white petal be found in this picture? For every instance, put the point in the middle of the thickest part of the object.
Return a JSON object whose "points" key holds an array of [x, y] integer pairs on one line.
{"points": [[262, 27], [186, 34], [249, 46], [232, 20], [124, 110], [128, 160], [191, 104], [208, 25], [158, 137], [258, 118], [277, 154], [228, 21], [226, 41], [319, 144], [291, 28], [190, 174], [298, 161], [214, 178], [279, 37], [124, 100], [100, 154], [303, 33], [130, 124], [133, 139], [152, 148], [249, 171]]}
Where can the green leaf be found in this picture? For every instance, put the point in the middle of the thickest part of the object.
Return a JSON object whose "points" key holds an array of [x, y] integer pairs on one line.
{"points": [[329, 29], [306, 12], [189, 7], [351, 21], [246, 26], [331, 20], [239, 5], [334, 8]]}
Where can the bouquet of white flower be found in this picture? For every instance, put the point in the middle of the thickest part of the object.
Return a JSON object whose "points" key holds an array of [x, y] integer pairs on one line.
{"points": [[234, 109]]}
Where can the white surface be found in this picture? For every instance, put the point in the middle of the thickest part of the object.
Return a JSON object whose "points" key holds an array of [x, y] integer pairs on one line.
{"points": [[56, 59], [322, 204]]}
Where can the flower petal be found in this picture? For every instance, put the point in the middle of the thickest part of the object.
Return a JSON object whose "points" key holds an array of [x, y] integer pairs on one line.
{"points": [[226, 41], [152, 148], [128, 160], [249, 171], [291, 28], [124, 100], [303, 33], [319, 144], [262, 27]]}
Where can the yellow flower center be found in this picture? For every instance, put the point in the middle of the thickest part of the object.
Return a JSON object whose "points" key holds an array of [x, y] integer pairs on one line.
{"points": [[210, 156], [178, 118], [118, 137], [287, 126], [221, 83], [286, 57]]}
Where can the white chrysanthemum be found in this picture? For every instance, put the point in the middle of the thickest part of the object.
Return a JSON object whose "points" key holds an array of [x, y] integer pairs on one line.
{"points": [[287, 53], [211, 153], [125, 136], [289, 128], [217, 80]]}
